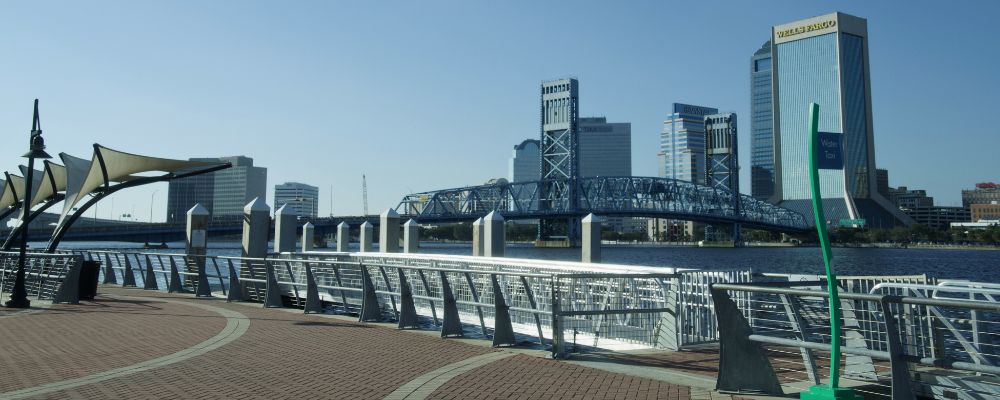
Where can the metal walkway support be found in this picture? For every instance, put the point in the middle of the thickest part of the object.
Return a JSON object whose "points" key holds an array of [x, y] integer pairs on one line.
{"points": [[452, 325], [203, 289], [407, 310], [743, 365], [313, 305], [272, 299], [149, 279], [128, 277], [503, 331], [176, 284], [109, 271], [371, 311], [235, 290]]}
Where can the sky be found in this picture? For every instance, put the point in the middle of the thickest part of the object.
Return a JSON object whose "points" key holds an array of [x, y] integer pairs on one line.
{"points": [[429, 95]]}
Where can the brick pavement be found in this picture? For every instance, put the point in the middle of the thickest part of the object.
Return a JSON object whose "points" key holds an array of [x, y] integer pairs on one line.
{"points": [[282, 355], [71, 341]]}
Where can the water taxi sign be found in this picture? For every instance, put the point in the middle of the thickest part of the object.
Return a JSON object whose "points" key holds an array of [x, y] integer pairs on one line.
{"points": [[830, 150]]}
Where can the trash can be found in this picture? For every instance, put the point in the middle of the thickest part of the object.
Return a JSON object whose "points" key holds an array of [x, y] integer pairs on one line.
{"points": [[89, 272]]}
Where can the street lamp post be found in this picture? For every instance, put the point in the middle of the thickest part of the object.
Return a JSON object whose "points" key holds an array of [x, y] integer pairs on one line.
{"points": [[19, 296]]}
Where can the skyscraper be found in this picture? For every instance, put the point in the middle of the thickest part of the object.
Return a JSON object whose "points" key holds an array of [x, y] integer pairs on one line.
{"points": [[605, 148], [682, 143], [524, 163], [824, 60], [224, 192], [761, 125], [302, 199]]}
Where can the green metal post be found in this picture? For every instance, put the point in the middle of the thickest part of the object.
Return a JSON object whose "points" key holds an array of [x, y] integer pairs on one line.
{"points": [[833, 391]]}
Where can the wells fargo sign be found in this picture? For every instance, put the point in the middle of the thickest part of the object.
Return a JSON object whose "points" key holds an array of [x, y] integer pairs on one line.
{"points": [[806, 28]]}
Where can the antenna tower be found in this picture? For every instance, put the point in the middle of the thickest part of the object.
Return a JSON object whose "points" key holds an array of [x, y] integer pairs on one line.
{"points": [[364, 192]]}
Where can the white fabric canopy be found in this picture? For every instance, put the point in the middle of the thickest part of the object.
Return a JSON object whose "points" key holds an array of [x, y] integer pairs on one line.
{"points": [[118, 166], [14, 184], [36, 183], [53, 174]]}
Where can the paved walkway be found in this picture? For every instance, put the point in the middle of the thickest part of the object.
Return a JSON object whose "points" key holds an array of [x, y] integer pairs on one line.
{"points": [[132, 343]]}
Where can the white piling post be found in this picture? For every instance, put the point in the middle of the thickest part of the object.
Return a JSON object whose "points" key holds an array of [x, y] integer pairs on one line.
{"points": [[388, 232], [256, 222], [367, 233], [307, 236], [494, 236], [477, 238], [343, 237], [590, 250], [196, 245], [411, 236], [284, 229]]}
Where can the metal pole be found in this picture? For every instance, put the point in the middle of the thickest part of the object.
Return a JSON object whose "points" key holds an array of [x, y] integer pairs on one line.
{"points": [[36, 147], [151, 197], [819, 392]]}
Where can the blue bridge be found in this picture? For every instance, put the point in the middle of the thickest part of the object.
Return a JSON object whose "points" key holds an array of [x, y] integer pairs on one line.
{"points": [[606, 196]]}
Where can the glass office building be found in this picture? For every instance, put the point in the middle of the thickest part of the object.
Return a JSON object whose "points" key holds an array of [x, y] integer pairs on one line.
{"points": [[824, 60], [761, 125], [605, 148], [682, 143]]}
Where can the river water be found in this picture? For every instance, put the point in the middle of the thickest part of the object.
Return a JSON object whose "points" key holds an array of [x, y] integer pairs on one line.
{"points": [[977, 265]]}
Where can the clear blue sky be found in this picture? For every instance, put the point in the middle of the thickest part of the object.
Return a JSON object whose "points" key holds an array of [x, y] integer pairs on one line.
{"points": [[429, 95]]}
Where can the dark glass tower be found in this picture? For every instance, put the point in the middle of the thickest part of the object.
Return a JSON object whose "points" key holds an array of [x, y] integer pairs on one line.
{"points": [[761, 125]]}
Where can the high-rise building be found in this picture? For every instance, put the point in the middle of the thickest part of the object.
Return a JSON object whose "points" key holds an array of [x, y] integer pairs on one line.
{"points": [[761, 125], [605, 148], [682, 143], [882, 182], [302, 199], [524, 164], [906, 198], [224, 193], [984, 193], [824, 60]]}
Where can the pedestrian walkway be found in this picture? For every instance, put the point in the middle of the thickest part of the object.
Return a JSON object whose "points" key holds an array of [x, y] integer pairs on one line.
{"points": [[131, 343]]}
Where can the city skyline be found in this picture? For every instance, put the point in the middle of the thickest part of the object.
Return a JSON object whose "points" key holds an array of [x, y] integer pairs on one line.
{"points": [[317, 85]]}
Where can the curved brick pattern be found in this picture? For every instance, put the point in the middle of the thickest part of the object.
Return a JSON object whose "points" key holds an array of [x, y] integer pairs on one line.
{"points": [[525, 377], [290, 355], [73, 341]]}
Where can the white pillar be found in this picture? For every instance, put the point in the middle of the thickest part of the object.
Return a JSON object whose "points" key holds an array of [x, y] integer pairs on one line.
{"points": [[284, 229], [256, 222], [343, 237], [367, 233], [494, 236], [196, 244], [477, 238], [590, 249], [411, 236], [388, 232], [307, 237]]}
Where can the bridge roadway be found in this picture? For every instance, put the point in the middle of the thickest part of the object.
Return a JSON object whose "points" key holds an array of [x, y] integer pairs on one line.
{"points": [[133, 343]]}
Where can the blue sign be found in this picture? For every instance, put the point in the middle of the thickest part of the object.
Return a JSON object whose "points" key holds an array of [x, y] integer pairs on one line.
{"points": [[831, 152]]}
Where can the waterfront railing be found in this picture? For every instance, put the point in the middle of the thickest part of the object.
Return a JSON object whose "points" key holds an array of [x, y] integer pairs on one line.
{"points": [[900, 339], [566, 306], [47, 276]]}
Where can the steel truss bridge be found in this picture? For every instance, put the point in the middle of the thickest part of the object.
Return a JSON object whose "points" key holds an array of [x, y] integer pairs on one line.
{"points": [[605, 196]]}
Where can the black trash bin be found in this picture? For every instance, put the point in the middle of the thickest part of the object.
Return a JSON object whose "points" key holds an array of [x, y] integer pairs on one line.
{"points": [[89, 272]]}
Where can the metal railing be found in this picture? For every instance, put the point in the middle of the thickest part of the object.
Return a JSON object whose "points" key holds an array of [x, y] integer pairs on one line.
{"points": [[565, 305], [900, 339], [46, 276]]}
